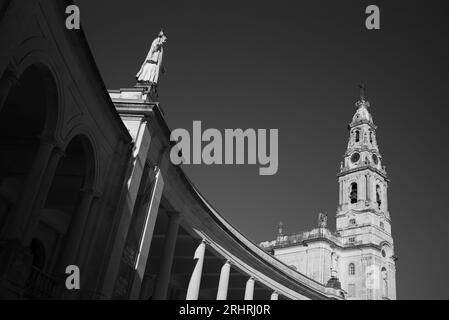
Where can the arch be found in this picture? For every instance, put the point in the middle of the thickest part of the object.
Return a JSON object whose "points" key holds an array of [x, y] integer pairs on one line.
{"points": [[80, 135], [32, 54], [357, 136], [73, 179], [378, 195], [28, 112], [353, 196], [384, 275]]}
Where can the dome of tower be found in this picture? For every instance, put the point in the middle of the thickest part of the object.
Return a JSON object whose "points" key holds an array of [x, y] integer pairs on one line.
{"points": [[362, 113]]}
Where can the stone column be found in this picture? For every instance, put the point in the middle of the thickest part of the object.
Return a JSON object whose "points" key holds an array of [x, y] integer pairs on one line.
{"points": [[47, 179], [88, 233], [74, 234], [42, 170], [147, 234], [249, 290], [195, 280], [274, 296], [222, 292], [165, 266]]}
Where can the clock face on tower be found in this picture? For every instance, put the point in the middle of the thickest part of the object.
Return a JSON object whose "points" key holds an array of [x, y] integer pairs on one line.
{"points": [[355, 157]]}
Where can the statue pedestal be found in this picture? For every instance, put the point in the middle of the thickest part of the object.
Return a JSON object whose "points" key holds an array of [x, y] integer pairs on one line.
{"points": [[150, 89]]}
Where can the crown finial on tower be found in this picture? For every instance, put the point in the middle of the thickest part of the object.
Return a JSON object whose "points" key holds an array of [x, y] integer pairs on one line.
{"points": [[280, 228]]}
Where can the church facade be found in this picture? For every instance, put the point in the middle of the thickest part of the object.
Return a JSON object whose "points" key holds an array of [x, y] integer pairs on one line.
{"points": [[359, 256]]}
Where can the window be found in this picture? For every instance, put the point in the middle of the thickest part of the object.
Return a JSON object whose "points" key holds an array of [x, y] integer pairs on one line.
{"points": [[371, 137], [351, 240], [384, 282], [357, 136], [382, 225], [378, 196], [351, 269], [352, 222], [353, 195]]}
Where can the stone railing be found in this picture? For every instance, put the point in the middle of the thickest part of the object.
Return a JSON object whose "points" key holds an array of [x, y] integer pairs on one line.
{"points": [[300, 238]]}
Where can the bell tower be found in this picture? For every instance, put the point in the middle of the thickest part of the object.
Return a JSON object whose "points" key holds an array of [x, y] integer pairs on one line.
{"points": [[363, 219]]}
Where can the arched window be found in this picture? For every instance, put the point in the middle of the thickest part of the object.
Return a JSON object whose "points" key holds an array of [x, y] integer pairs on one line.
{"points": [[357, 136], [382, 225], [353, 195], [352, 222], [384, 282], [371, 137], [378, 196], [351, 269]]}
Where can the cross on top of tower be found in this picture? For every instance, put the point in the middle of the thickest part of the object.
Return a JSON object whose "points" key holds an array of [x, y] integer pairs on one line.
{"points": [[362, 102], [362, 89]]}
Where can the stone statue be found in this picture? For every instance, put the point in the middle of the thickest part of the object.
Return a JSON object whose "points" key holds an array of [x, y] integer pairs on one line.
{"points": [[322, 220], [149, 71]]}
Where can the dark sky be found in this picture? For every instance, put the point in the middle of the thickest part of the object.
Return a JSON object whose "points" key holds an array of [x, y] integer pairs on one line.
{"points": [[295, 66]]}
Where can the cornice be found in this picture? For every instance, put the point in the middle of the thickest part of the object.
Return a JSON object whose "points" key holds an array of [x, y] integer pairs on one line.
{"points": [[366, 167]]}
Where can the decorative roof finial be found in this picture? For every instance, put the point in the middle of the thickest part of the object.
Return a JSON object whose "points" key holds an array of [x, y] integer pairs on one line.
{"points": [[322, 220], [280, 231]]}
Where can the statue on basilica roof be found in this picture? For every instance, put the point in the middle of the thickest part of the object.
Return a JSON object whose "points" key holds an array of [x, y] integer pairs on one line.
{"points": [[148, 74], [322, 220]]}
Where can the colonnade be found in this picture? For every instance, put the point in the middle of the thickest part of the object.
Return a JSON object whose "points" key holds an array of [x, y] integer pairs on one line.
{"points": [[222, 292]]}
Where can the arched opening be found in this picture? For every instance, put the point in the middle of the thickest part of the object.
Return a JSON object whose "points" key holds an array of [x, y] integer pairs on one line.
{"points": [[384, 282], [357, 136], [29, 111], [73, 175], [353, 195], [378, 196]]}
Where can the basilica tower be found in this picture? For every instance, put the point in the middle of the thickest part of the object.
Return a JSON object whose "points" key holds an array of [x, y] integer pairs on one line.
{"points": [[363, 219]]}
